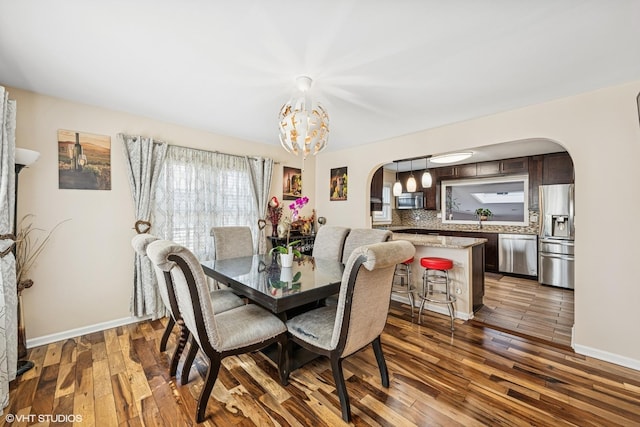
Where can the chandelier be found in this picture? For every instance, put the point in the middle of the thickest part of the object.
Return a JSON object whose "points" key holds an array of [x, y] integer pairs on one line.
{"points": [[304, 127]]}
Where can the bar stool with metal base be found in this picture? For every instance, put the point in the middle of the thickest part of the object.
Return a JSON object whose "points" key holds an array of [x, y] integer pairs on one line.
{"points": [[403, 271], [435, 285]]}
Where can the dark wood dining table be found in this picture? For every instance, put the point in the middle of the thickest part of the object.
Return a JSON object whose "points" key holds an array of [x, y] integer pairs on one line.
{"points": [[284, 291], [262, 280]]}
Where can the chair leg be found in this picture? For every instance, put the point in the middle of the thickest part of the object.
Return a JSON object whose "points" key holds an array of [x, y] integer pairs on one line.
{"points": [[167, 333], [382, 365], [188, 361], [212, 375], [284, 348], [338, 377], [411, 302], [184, 336]]}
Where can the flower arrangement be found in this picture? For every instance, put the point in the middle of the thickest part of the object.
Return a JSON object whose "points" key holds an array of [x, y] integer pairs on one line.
{"points": [[294, 207]]}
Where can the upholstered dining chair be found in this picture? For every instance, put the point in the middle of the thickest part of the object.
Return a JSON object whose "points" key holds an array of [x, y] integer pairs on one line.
{"points": [[232, 242], [329, 242], [222, 300], [239, 330], [359, 237], [360, 315], [363, 236]]}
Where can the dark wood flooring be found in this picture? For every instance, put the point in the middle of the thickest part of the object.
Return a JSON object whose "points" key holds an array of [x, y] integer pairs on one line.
{"points": [[476, 376], [525, 307]]}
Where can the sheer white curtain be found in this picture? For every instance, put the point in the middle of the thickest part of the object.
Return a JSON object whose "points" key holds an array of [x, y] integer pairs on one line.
{"points": [[144, 160], [202, 189], [8, 290], [261, 171]]}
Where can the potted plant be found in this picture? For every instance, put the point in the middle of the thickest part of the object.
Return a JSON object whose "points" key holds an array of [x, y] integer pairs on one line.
{"points": [[288, 251], [483, 214]]}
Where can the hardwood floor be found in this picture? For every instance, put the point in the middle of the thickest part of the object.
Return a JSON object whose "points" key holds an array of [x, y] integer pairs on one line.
{"points": [[525, 307], [477, 376]]}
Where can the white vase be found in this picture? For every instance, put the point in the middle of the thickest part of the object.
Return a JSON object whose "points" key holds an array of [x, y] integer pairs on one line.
{"points": [[286, 275], [286, 260]]}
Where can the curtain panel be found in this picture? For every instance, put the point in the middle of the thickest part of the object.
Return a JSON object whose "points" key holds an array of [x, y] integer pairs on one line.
{"points": [[145, 159], [261, 171], [8, 289]]}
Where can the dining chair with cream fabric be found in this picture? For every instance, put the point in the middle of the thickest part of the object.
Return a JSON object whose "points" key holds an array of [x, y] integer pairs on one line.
{"points": [[222, 300], [360, 315], [329, 242], [363, 236], [239, 330], [232, 242]]}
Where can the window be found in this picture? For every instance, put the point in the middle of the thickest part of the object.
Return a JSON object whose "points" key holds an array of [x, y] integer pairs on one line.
{"points": [[198, 190], [384, 216]]}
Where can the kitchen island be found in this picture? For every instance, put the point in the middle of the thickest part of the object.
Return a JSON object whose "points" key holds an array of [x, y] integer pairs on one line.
{"points": [[466, 278]]}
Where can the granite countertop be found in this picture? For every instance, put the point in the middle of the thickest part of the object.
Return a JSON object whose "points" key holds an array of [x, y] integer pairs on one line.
{"points": [[396, 228], [439, 241]]}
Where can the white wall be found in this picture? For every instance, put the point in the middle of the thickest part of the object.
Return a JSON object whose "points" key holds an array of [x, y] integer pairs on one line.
{"points": [[85, 276], [601, 131]]}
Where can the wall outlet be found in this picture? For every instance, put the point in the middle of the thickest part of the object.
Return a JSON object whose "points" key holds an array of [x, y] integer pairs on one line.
{"points": [[439, 215], [458, 291]]}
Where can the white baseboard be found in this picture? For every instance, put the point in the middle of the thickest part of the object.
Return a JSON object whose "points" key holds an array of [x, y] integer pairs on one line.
{"points": [[72, 333], [607, 357]]}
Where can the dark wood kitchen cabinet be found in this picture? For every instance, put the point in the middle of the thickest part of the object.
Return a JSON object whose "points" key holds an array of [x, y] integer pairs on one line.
{"points": [[458, 171], [535, 180], [515, 165], [376, 190], [557, 169]]}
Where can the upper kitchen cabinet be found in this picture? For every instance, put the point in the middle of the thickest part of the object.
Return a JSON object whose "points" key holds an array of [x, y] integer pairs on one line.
{"points": [[458, 171], [377, 183], [506, 166], [535, 180], [557, 169]]}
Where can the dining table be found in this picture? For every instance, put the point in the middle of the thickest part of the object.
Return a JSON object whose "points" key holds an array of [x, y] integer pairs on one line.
{"points": [[285, 291], [282, 290]]}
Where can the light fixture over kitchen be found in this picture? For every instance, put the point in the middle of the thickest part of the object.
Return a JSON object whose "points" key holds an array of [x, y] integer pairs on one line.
{"points": [[411, 182], [451, 157], [304, 127], [397, 187], [427, 179]]}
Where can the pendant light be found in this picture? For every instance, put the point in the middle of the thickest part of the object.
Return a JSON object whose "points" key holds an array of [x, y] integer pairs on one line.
{"points": [[427, 180], [397, 187], [411, 182]]}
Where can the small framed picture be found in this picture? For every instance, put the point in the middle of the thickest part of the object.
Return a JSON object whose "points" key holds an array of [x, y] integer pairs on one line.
{"points": [[338, 184], [291, 183], [84, 161]]}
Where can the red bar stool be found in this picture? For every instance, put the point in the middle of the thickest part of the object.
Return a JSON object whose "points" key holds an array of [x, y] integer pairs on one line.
{"points": [[403, 270], [435, 285]]}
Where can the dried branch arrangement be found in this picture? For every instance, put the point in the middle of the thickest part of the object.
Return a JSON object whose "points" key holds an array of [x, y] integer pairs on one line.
{"points": [[30, 242]]}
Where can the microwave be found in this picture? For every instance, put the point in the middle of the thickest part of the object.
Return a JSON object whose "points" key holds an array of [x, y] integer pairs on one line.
{"points": [[410, 201]]}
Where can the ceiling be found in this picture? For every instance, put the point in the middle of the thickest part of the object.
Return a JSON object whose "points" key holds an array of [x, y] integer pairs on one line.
{"points": [[381, 68]]}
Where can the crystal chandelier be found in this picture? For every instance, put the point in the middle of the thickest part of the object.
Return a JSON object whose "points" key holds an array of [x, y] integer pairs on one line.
{"points": [[304, 127]]}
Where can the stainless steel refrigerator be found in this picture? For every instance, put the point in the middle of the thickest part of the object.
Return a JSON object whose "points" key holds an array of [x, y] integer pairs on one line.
{"points": [[556, 236]]}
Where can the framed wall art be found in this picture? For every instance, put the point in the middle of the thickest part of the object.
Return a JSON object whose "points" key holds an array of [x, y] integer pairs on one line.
{"points": [[291, 183], [84, 161], [338, 184]]}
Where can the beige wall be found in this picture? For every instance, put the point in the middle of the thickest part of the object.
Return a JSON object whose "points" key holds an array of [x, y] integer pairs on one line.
{"points": [[601, 132], [84, 278]]}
